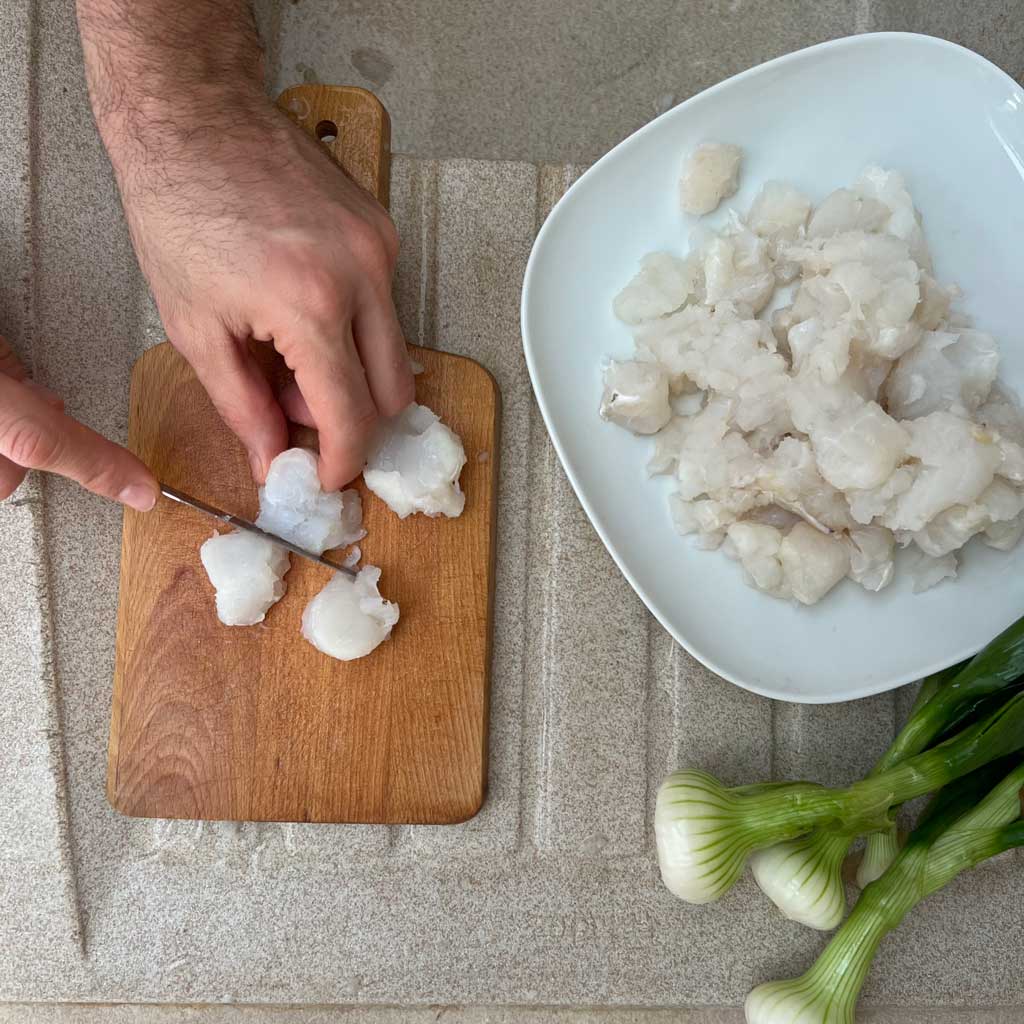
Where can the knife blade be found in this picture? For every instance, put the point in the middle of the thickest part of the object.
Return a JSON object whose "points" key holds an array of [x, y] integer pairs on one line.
{"points": [[243, 524]]}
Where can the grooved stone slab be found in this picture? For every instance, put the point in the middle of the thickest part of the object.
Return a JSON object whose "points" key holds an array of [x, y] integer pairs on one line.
{"points": [[524, 79], [137, 1014], [549, 900]]}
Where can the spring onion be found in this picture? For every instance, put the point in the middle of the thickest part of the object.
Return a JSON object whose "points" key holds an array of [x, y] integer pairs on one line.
{"points": [[954, 695], [880, 850], [946, 700], [804, 878], [705, 832], [948, 841]]}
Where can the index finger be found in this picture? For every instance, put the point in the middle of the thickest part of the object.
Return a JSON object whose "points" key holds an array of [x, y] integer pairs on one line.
{"points": [[331, 378], [35, 434]]}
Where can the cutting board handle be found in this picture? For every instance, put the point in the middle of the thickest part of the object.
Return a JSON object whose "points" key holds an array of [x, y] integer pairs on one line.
{"points": [[353, 125]]}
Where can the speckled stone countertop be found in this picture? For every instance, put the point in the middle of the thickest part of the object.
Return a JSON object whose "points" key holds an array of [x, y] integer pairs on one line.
{"points": [[548, 902]]}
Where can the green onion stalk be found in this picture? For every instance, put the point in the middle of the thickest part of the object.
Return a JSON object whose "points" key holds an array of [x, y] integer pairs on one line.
{"points": [[957, 695], [947, 842], [705, 832], [882, 847], [803, 877]]}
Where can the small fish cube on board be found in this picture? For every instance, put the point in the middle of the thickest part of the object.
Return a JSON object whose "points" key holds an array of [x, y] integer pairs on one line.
{"points": [[248, 574], [415, 465], [348, 618]]}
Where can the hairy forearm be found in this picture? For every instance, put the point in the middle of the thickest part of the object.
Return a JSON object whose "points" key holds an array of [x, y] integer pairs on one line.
{"points": [[177, 90], [150, 64]]}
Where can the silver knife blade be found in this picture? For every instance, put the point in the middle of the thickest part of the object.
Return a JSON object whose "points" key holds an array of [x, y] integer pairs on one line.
{"points": [[243, 524]]}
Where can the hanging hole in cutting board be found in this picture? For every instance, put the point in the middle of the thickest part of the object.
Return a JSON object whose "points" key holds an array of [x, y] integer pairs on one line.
{"points": [[327, 132]]}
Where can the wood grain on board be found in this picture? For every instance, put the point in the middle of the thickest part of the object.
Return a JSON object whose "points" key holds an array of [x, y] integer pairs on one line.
{"points": [[253, 723]]}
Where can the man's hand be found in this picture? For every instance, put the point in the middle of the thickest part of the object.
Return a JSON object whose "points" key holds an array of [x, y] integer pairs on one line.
{"points": [[246, 230], [36, 434]]}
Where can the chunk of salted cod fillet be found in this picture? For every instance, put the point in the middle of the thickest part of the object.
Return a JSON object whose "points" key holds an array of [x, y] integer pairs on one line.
{"points": [[349, 618], [415, 465], [248, 574], [293, 505]]}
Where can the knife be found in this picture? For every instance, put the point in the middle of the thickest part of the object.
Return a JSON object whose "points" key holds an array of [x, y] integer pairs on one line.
{"points": [[244, 524]]}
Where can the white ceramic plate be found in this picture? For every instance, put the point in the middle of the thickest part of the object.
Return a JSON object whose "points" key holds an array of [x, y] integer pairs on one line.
{"points": [[953, 124]]}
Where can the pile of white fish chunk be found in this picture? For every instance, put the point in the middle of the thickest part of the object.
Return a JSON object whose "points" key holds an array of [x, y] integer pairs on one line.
{"points": [[417, 461], [817, 398]]}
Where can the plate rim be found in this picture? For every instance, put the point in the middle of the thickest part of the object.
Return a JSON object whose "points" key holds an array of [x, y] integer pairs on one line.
{"points": [[834, 45]]}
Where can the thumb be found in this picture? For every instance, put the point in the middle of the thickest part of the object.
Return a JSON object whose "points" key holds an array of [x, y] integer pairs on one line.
{"points": [[36, 434]]}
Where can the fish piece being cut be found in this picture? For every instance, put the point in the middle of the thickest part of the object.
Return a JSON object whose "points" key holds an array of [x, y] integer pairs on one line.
{"points": [[248, 574], [294, 506], [349, 618], [415, 465]]}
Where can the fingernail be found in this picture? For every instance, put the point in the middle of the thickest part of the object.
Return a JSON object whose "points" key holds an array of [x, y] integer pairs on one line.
{"points": [[138, 496]]}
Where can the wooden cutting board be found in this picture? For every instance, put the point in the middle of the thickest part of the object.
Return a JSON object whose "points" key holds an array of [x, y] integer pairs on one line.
{"points": [[253, 723]]}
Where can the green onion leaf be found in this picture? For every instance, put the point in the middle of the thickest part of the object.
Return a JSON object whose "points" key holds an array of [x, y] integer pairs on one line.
{"points": [[956, 833]]}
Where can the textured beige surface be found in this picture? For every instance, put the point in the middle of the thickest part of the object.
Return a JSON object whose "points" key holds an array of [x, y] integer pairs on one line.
{"points": [[550, 897], [37, 887], [529, 79], [533, 80], [143, 1014]]}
